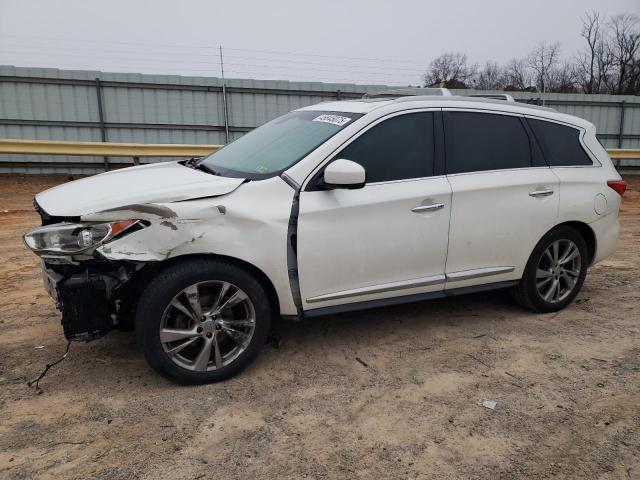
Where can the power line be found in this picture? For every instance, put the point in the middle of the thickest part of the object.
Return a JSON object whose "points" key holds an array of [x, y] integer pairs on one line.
{"points": [[204, 55], [270, 60], [323, 56], [320, 70], [271, 52], [82, 40], [251, 65], [149, 70]]}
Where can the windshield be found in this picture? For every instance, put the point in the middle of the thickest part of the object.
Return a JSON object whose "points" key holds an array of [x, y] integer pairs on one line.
{"points": [[275, 146]]}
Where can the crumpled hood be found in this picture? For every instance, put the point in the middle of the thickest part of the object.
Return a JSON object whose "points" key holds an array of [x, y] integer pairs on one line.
{"points": [[155, 183]]}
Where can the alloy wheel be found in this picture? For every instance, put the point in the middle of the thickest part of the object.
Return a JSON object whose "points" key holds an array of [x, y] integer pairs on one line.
{"points": [[558, 270], [207, 325]]}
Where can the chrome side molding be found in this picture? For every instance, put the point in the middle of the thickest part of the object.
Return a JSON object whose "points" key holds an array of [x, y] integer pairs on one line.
{"points": [[413, 283], [478, 272], [385, 287]]}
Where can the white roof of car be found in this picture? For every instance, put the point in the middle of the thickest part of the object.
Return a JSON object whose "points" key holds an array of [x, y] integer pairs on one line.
{"points": [[405, 103], [352, 106]]}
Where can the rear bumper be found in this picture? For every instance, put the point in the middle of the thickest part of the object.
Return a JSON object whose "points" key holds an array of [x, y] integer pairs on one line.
{"points": [[607, 233]]}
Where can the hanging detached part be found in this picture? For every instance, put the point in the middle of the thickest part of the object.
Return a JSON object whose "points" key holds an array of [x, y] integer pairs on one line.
{"points": [[46, 369]]}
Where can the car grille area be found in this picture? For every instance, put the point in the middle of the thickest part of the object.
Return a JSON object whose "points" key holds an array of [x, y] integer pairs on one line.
{"points": [[85, 312]]}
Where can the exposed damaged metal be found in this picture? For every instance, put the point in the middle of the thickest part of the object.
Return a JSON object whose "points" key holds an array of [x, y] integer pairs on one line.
{"points": [[94, 297], [167, 223], [142, 209]]}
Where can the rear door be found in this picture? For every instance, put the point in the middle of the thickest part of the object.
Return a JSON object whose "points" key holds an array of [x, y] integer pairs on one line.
{"points": [[582, 184], [505, 197]]}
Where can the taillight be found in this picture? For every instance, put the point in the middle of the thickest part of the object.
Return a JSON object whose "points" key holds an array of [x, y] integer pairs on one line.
{"points": [[620, 186]]}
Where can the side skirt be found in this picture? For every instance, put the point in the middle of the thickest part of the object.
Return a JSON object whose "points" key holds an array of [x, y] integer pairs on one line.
{"points": [[384, 302]]}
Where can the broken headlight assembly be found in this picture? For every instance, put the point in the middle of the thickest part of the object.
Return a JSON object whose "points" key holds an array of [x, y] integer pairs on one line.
{"points": [[73, 238]]}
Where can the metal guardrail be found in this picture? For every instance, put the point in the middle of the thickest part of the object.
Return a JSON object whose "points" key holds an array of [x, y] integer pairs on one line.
{"points": [[109, 149], [100, 149], [624, 154], [138, 150], [621, 157]]}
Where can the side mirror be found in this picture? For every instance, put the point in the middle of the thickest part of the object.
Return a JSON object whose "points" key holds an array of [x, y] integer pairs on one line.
{"points": [[344, 173]]}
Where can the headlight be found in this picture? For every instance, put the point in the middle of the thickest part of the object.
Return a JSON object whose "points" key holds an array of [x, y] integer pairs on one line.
{"points": [[69, 238]]}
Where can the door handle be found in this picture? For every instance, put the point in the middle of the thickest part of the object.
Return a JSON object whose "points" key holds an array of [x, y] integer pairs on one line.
{"points": [[541, 193], [428, 208]]}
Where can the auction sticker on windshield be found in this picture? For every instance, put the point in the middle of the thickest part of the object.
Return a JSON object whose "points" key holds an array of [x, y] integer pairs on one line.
{"points": [[333, 119]]}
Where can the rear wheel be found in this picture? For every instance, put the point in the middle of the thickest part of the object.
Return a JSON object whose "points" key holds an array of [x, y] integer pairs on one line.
{"points": [[555, 271], [202, 321]]}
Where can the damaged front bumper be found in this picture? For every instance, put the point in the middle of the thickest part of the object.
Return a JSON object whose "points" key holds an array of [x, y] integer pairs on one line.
{"points": [[97, 288], [95, 294], [94, 297]]}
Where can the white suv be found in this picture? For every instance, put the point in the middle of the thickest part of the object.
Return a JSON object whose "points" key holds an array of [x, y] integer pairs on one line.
{"points": [[334, 207]]}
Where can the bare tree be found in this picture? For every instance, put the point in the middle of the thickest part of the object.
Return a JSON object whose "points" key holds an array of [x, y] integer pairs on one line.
{"points": [[592, 64], [625, 52], [609, 63], [516, 75], [490, 77], [449, 70], [542, 60], [563, 78]]}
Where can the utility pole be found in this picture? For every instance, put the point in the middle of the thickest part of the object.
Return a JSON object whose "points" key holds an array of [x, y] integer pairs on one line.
{"points": [[224, 100], [544, 82]]}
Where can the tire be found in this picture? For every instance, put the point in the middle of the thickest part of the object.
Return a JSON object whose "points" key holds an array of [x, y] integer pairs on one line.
{"points": [[218, 345], [535, 283]]}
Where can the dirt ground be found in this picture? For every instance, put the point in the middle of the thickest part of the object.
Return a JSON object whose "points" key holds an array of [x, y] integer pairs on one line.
{"points": [[386, 393]]}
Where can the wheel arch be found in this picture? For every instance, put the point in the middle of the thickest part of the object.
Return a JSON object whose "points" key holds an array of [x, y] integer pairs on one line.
{"points": [[586, 232], [154, 269], [522, 292]]}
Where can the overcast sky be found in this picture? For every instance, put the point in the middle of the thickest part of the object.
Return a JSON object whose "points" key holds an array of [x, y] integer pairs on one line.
{"points": [[359, 41]]}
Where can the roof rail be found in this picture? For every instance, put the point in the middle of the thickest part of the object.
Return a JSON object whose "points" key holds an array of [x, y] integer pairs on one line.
{"points": [[408, 92], [494, 96]]}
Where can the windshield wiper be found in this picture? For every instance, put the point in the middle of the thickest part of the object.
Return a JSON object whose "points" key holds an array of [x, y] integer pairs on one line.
{"points": [[204, 168], [193, 163]]}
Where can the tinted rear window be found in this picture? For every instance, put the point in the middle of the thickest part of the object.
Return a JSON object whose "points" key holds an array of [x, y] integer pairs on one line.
{"points": [[561, 144], [485, 141]]}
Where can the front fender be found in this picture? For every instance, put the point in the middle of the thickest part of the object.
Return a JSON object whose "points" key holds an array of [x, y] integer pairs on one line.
{"points": [[251, 227]]}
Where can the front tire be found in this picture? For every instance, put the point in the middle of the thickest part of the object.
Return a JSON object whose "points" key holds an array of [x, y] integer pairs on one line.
{"points": [[554, 273], [202, 321]]}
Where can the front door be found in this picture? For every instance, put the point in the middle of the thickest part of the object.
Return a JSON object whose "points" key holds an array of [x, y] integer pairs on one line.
{"points": [[387, 239]]}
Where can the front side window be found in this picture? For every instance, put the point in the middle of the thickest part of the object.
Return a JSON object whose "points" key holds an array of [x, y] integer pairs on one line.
{"points": [[399, 148], [477, 142], [275, 146], [561, 143]]}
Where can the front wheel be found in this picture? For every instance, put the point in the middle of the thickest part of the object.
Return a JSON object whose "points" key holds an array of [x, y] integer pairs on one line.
{"points": [[555, 271], [202, 321]]}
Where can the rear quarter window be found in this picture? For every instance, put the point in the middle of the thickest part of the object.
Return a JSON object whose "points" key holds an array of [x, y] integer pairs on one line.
{"points": [[560, 143]]}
